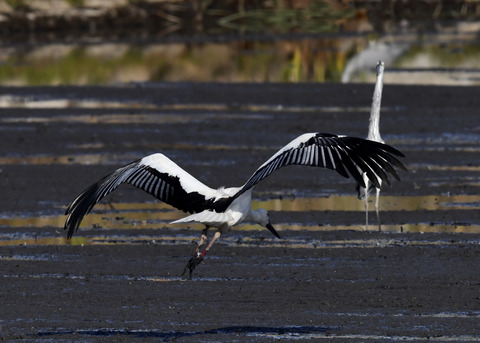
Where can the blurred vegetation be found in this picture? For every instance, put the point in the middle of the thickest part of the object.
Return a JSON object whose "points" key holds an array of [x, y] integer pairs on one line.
{"points": [[225, 16], [256, 60], [182, 17], [253, 40]]}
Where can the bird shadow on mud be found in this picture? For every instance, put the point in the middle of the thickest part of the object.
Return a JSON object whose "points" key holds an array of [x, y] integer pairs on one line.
{"points": [[228, 330]]}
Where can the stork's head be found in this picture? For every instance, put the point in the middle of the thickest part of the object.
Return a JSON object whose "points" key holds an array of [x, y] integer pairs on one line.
{"points": [[263, 219]]}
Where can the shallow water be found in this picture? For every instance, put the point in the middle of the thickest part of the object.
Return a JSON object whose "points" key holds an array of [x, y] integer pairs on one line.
{"points": [[149, 215]]}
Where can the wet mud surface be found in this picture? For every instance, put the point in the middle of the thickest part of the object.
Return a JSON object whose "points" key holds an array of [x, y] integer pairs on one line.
{"points": [[119, 279]]}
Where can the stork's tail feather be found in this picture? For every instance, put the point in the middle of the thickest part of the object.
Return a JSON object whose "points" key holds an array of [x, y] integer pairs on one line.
{"points": [[211, 218]]}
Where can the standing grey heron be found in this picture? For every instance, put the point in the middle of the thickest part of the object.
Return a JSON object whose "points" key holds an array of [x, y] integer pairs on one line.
{"points": [[223, 208], [373, 135]]}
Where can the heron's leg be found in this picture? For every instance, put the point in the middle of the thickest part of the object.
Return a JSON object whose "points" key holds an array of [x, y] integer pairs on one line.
{"points": [[376, 210]]}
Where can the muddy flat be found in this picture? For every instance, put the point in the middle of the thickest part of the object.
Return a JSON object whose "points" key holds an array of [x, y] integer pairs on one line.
{"points": [[327, 278]]}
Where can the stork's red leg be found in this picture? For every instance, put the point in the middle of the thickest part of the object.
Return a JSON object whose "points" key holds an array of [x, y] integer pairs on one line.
{"points": [[197, 258]]}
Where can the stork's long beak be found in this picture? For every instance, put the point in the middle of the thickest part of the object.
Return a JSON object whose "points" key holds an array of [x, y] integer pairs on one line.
{"points": [[272, 230]]}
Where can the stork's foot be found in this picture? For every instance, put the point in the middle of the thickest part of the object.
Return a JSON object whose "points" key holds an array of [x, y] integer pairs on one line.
{"points": [[194, 261]]}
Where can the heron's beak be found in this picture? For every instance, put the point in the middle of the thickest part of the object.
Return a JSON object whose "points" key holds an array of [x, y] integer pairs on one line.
{"points": [[272, 230]]}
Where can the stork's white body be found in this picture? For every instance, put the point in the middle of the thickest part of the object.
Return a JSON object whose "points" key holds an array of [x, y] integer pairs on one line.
{"points": [[240, 210]]}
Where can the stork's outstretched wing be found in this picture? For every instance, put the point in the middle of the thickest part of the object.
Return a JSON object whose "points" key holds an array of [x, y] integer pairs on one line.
{"points": [[346, 155], [158, 175], [155, 174]]}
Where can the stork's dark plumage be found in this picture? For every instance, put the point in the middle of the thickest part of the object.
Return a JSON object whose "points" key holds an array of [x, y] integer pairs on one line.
{"points": [[225, 207]]}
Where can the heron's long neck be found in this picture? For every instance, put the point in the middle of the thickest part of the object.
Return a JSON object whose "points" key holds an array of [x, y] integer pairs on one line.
{"points": [[374, 126]]}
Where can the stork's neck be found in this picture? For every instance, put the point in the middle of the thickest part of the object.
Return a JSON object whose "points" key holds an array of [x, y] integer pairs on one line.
{"points": [[258, 216]]}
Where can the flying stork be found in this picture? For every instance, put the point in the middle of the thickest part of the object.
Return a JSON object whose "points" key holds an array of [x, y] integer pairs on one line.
{"points": [[364, 192], [223, 208]]}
